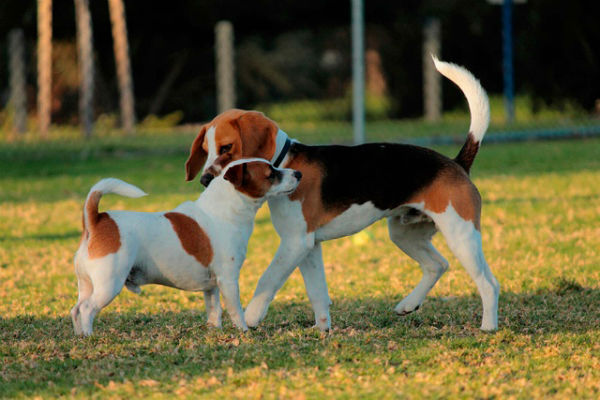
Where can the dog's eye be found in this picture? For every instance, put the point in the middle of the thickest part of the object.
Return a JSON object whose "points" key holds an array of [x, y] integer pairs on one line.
{"points": [[225, 149], [274, 175]]}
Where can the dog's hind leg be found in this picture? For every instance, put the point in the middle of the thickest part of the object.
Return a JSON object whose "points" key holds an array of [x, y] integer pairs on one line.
{"points": [[85, 288], [464, 240], [107, 283], [313, 273], [415, 240], [212, 302]]}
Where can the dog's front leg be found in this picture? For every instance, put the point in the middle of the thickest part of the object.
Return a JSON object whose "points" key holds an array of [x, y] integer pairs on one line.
{"points": [[228, 282], [213, 307], [291, 252]]}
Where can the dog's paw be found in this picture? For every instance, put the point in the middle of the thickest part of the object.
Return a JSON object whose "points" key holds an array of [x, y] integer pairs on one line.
{"points": [[252, 316], [214, 324], [323, 323], [489, 327], [405, 309]]}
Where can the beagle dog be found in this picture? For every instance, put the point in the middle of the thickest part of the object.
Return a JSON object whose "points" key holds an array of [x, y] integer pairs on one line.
{"points": [[199, 245], [347, 188]]}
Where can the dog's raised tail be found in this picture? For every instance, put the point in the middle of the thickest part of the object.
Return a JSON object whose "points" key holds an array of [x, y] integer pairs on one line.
{"points": [[479, 107], [105, 186]]}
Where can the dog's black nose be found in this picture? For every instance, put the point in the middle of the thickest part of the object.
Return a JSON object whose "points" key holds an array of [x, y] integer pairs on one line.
{"points": [[206, 179], [298, 175]]}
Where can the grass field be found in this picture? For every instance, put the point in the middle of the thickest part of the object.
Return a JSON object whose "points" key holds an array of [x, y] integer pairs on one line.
{"points": [[541, 232]]}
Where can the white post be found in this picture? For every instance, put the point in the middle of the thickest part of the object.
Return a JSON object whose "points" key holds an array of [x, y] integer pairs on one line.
{"points": [[224, 53], [18, 97], [432, 80], [358, 71]]}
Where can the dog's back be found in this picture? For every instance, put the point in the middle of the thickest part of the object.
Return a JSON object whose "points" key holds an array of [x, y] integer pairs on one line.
{"points": [[170, 248]]}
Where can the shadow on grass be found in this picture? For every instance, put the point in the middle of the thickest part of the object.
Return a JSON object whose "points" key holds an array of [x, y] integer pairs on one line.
{"points": [[536, 200], [41, 236], [83, 158], [42, 356]]}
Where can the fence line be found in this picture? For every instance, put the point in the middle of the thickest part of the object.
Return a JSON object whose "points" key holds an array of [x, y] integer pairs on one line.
{"points": [[18, 95]]}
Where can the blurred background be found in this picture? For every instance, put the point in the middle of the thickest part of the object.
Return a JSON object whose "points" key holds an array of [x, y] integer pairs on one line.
{"points": [[74, 69]]}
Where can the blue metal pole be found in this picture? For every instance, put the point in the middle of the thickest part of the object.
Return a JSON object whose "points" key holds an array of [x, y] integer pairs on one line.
{"points": [[507, 61], [358, 72]]}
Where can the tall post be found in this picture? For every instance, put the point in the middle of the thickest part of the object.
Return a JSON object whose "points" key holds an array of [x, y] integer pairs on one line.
{"points": [[432, 80], [358, 71], [507, 52], [224, 54], [18, 96], [44, 72], [86, 65], [121, 46]]}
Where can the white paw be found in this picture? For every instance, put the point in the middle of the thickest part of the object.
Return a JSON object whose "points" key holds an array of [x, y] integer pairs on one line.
{"points": [[214, 323], [241, 325], [251, 321], [406, 307], [323, 323], [253, 316], [489, 326]]}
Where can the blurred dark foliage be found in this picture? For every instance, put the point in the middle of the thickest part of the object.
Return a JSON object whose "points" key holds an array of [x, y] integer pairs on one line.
{"points": [[290, 49]]}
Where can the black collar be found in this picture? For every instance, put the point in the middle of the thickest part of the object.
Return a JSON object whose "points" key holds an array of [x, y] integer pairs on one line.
{"points": [[284, 151]]}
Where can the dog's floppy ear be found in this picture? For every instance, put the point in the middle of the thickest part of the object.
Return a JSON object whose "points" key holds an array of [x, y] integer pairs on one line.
{"points": [[258, 134], [197, 157], [235, 174]]}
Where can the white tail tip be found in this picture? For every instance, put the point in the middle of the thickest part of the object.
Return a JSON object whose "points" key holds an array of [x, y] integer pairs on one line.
{"points": [[117, 186], [479, 105]]}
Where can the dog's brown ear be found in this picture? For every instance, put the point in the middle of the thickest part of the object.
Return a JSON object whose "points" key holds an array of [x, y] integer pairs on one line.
{"points": [[197, 157], [235, 174], [258, 134]]}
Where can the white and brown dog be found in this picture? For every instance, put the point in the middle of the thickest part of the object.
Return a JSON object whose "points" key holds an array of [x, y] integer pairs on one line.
{"points": [[345, 189], [197, 246]]}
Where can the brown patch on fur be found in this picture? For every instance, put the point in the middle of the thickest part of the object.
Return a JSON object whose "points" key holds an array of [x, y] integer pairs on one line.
{"points": [[249, 133], [192, 237], [251, 178], [467, 153], [104, 237], [452, 186], [103, 232], [258, 134], [309, 194], [198, 155]]}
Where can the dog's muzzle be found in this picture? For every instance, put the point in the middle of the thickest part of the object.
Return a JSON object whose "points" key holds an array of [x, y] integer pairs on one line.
{"points": [[206, 179]]}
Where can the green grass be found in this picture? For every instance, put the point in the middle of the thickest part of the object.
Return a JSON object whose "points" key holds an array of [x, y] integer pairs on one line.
{"points": [[541, 232]]}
